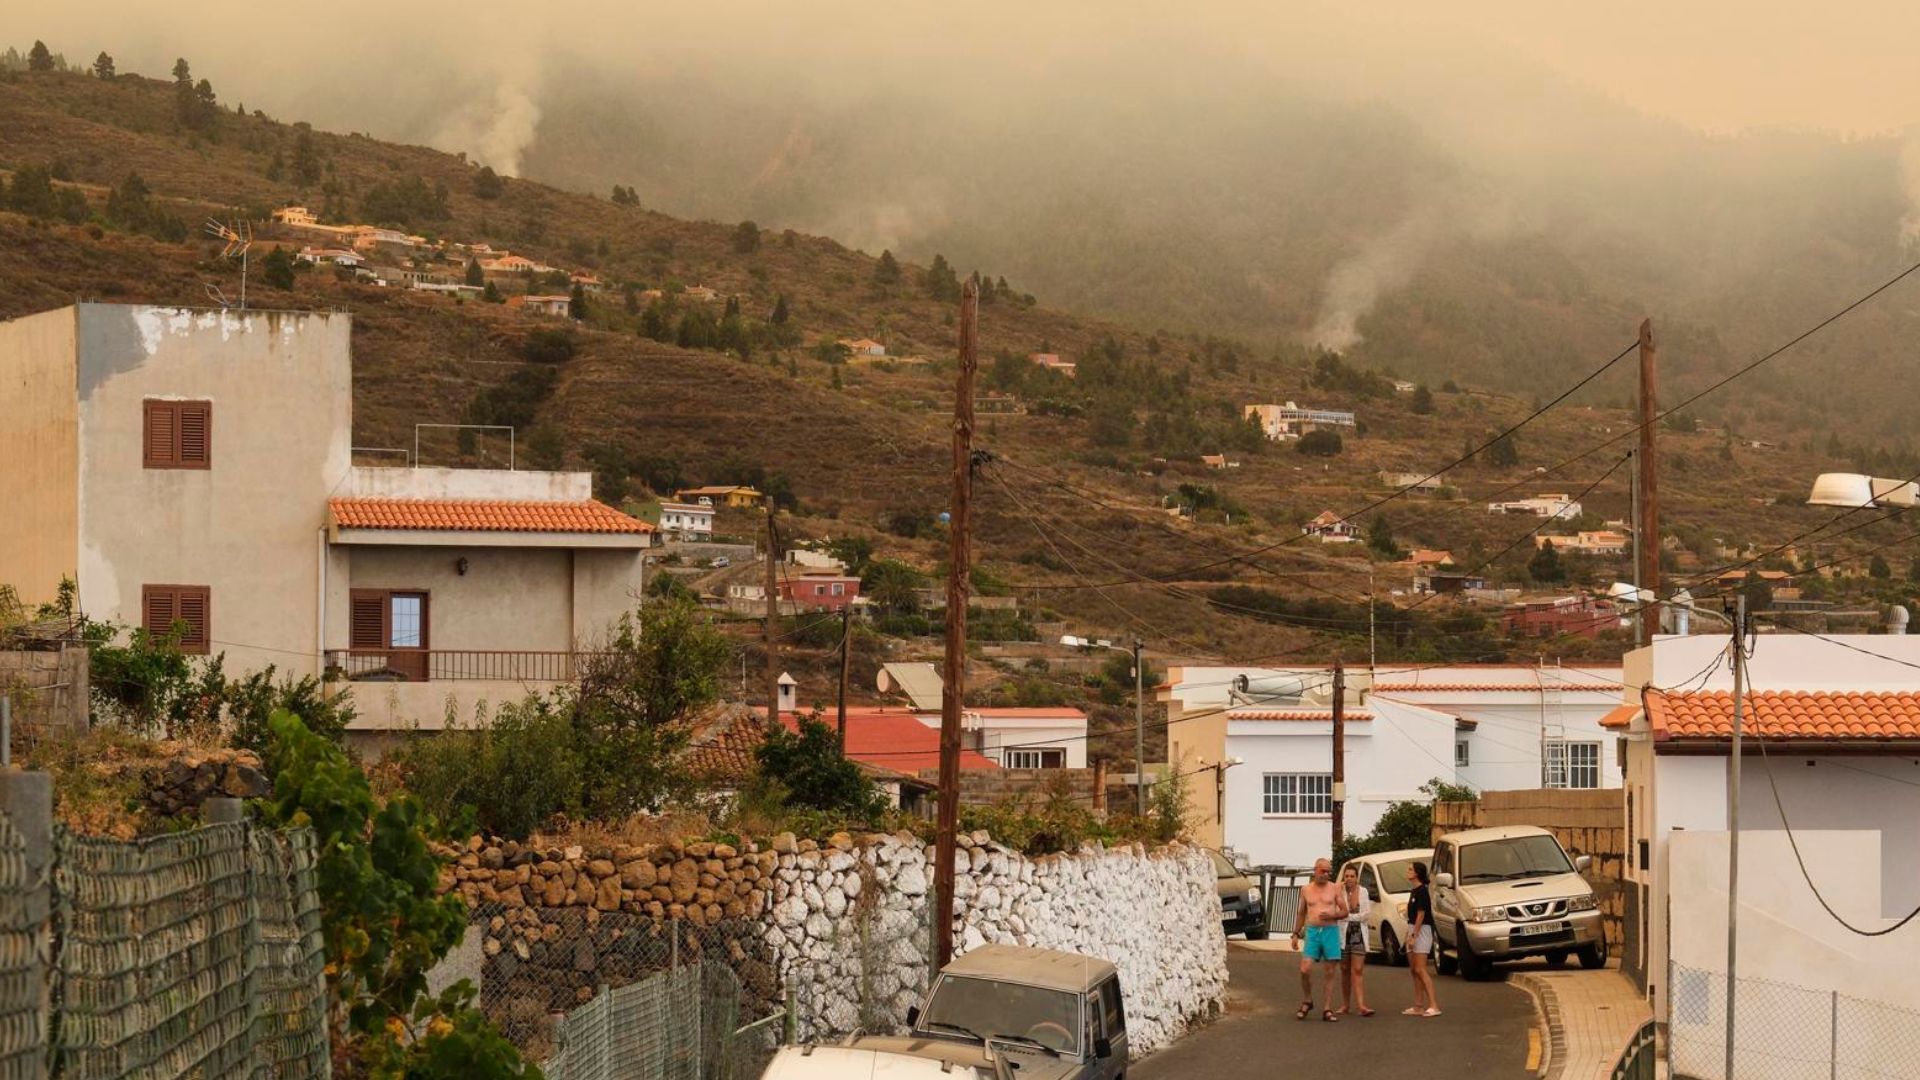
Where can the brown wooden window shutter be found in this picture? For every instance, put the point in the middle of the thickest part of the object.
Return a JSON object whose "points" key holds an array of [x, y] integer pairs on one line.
{"points": [[190, 607], [178, 435], [368, 619]]}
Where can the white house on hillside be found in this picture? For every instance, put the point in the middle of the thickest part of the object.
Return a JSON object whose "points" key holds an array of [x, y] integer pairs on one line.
{"points": [[1552, 507], [1290, 421]]}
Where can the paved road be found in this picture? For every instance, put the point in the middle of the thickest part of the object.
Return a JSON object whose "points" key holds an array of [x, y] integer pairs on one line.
{"points": [[1482, 1034]]}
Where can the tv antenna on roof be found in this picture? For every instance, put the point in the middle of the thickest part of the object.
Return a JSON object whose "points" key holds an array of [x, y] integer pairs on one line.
{"points": [[239, 238]]}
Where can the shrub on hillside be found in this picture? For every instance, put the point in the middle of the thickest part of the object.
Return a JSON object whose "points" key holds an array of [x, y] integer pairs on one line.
{"points": [[1321, 443], [549, 345]]}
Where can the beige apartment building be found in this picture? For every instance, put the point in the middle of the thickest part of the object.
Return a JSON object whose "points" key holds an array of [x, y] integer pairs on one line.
{"points": [[193, 470]]}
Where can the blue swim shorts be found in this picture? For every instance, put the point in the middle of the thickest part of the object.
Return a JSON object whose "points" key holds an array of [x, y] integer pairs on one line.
{"points": [[1322, 943]]}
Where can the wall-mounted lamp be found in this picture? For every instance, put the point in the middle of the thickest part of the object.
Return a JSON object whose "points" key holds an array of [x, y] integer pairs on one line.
{"points": [[460, 566]]}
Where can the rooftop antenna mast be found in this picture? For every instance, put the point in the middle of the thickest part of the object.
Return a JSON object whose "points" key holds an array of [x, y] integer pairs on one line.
{"points": [[239, 238]]}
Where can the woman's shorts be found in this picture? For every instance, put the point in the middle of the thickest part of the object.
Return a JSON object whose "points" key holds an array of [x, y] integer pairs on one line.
{"points": [[1422, 939]]}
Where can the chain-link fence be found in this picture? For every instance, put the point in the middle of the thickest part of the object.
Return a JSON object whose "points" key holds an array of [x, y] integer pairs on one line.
{"points": [[1786, 1032], [196, 954], [616, 995]]}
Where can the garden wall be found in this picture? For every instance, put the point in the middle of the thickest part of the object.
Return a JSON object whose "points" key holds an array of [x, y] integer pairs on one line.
{"points": [[842, 924]]}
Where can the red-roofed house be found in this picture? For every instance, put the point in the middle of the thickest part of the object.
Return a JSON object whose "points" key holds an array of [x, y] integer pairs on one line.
{"points": [[1829, 794], [193, 472], [1053, 362], [1330, 528], [1024, 737]]}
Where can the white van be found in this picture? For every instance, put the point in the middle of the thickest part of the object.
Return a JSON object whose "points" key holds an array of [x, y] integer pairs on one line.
{"points": [[1508, 892], [840, 1062], [1384, 876]]}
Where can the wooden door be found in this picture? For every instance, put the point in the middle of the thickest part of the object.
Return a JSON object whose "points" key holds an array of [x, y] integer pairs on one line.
{"points": [[389, 634]]}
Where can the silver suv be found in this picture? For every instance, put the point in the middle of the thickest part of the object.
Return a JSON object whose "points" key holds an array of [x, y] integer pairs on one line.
{"points": [[1509, 892]]}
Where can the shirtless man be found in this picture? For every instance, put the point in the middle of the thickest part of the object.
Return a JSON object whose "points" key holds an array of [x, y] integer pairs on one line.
{"points": [[1323, 907]]}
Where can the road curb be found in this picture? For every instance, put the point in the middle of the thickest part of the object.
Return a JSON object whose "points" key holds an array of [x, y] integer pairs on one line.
{"points": [[1546, 1007]]}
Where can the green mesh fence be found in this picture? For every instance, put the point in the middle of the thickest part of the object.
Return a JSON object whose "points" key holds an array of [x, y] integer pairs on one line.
{"points": [[680, 1024], [290, 1023], [23, 1012]]}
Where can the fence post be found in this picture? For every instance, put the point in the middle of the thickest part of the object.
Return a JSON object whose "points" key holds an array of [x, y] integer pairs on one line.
{"points": [[790, 1027], [27, 799], [1833, 1042]]}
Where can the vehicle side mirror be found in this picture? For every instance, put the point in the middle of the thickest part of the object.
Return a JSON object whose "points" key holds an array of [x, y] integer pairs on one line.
{"points": [[1445, 881], [1581, 863], [1103, 1047], [913, 1015]]}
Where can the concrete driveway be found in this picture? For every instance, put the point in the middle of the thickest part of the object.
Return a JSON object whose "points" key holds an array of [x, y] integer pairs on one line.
{"points": [[1484, 1033]]}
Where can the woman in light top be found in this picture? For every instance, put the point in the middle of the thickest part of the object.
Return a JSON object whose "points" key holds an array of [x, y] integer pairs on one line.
{"points": [[1353, 945]]}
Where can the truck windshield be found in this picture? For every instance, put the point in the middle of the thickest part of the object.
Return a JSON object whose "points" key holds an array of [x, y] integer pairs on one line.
{"points": [[1511, 859], [989, 1009], [1393, 875]]}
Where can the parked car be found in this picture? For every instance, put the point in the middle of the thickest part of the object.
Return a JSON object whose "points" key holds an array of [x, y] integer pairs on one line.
{"points": [[1384, 876], [720, 562], [935, 1061], [1241, 907], [1509, 892], [1041, 1014]]}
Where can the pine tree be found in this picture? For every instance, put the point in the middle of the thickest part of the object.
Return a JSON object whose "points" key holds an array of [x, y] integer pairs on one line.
{"points": [[277, 166], [38, 58], [1505, 452], [1545, 564], [475, 276], [746, 238], [103, 67], [277, 269], [306, 159], [487, 183], [779, 316], [887, 270], [1422, 400], [577, 302]]}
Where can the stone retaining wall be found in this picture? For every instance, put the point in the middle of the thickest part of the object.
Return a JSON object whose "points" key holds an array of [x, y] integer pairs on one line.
{"points": [[842, 923]]}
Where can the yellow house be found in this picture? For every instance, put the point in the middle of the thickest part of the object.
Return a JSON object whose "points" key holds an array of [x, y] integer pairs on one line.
{"points": [[721, 495]]}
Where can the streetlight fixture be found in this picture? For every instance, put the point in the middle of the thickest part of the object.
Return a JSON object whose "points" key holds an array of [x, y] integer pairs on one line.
{"points": [[1139, 711], [1857, 490]]}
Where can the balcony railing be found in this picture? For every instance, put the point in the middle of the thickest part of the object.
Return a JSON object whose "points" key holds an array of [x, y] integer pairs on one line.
{"points": [[427, 665]]}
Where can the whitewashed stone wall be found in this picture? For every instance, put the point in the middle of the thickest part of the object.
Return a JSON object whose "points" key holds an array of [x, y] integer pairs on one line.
{"points": [[848, 925]]}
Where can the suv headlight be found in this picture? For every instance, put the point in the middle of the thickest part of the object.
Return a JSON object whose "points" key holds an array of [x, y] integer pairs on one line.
{"points": [[1582, 903], [1487, 914], [1253, 895]]}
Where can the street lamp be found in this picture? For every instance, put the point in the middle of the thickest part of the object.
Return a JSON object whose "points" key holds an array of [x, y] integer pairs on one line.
{"points": [[1139, 711], [1855, 491]]}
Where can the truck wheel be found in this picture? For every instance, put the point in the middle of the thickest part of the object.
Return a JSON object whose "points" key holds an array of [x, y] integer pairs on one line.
{"points": [[1256, 935], [1390, 951], [1445, 962], [1594, 956], [1556, 959], [1472, 967]]}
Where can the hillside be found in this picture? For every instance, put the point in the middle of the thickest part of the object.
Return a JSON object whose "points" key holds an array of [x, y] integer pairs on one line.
{"points": [[1076, 496]]}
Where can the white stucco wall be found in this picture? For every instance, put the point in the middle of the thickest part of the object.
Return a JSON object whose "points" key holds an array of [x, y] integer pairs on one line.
{"points": [[280, 384], [442, 483], [1504, 746]]}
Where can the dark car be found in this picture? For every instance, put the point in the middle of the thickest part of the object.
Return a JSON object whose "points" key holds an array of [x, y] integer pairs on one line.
{"points": [[1241, 910]]}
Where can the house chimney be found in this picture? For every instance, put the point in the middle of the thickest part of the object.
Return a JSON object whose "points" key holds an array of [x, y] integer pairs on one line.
{"points": [[1897, 619], [789, 691]]}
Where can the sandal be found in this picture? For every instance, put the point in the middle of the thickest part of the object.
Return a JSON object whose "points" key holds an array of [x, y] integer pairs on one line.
{"points": [[1431, 1013], [1306, 1008], [1410, 1012], [1327, 1015], [1366, 1012]]}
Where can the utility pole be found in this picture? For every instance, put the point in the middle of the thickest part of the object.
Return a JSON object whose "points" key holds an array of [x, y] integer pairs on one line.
{"points": [[1739, 656], [773, 618], [1339, 804], [1633, 514], [846, 657], [959, 562], [1139, 733], [1647, 528]]}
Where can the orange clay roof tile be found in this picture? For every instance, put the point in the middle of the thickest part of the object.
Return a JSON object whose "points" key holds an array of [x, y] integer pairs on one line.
{"points": [[1780, 714], [483, 515], [1321, 715]]}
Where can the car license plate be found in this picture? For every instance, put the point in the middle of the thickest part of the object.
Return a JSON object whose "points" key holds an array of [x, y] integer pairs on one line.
{"points": [[1539, 928]]}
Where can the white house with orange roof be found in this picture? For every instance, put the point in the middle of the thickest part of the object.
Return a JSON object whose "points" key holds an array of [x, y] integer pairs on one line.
{"points": [[1330, 528], [1829, 855], [863, 347], [192, 472], [1053, 737], [1053, 362]]}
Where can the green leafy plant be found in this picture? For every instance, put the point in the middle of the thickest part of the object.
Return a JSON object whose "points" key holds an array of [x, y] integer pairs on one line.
{"points": [[815, 775], [383, 918]]}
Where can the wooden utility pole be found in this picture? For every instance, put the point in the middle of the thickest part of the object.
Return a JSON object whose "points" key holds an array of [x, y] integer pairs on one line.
{"points": [[846, 667], [1647, 528], [773, 618], [959, 561], [1338, 807]]}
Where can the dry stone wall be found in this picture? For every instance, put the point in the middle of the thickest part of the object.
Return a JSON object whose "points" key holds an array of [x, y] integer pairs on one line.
{"points": [[842, 923]]}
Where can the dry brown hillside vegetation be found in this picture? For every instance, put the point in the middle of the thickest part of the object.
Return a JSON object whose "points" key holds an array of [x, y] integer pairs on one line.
{"points": [[1081, 497]]}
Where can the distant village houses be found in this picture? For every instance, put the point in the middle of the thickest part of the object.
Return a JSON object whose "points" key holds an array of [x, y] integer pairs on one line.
{"points": [[1052, 362], [687, 521], [1597, 542], [734, 495], [863, 347], [1290, 421], [542, 305], [1329, 528], [1554, 506], [1412, 483]]}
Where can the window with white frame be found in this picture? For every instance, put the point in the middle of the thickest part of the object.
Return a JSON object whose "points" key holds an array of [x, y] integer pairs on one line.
{"points": [[1571, 764], [1032, 758], [1462, 755], [1296, 794]]}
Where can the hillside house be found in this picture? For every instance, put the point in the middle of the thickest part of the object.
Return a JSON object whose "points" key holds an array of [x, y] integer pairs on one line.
{"points": [[1330, 528], [1053, 362], [701, 293], [192, 471], [816, 589], [588, 283], [449, 288], [330, 257], [1502, 726], [1424, 559], [1022, 738], [512, 266], [1290, 421], [373, 237], [295, 216], [1402, 386], [737, 496], [1446, 581], [1775, 578], [1576, 616], [1587, 542], [1214, 461], [863, 347], [1553, 507], [687, 521], [1412, 483], [557, 305]]}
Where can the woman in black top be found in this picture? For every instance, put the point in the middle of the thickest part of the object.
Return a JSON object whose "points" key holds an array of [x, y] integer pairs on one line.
{"points": [[1420, 942]]}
